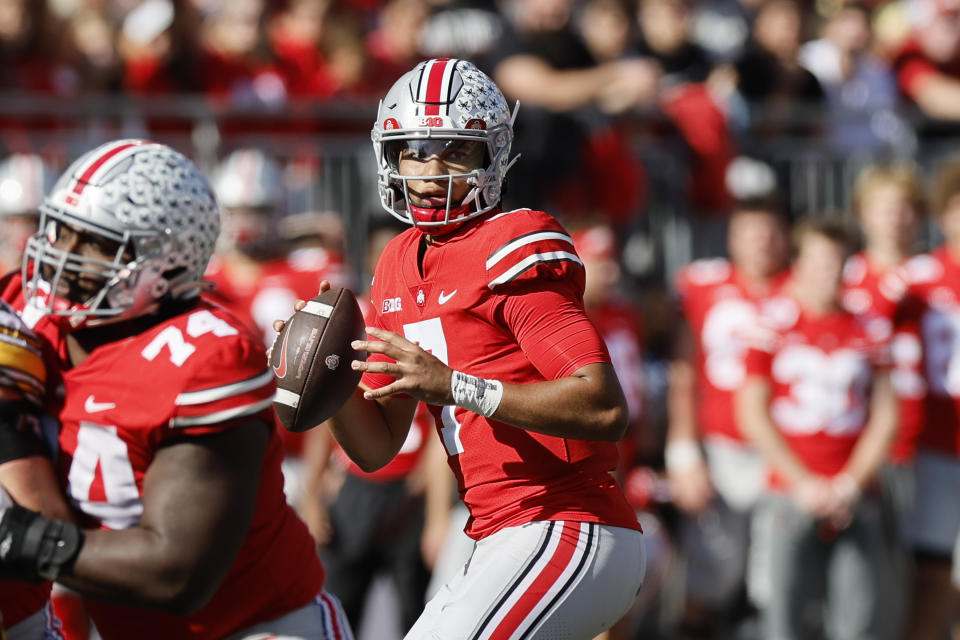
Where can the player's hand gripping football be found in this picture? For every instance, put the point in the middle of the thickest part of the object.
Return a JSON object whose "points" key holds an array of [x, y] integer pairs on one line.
{"points": [[417, 372]]}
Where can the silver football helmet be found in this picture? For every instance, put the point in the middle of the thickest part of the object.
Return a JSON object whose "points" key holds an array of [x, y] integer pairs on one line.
{"points": [[149, 201], [250, 187], [441, 102]]}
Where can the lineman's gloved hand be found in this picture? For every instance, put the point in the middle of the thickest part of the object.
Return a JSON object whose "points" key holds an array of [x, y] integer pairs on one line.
{"points": [[34, 548]]}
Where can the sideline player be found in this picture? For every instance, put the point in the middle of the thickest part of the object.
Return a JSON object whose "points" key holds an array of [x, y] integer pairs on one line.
{"points": [[167, 441], [931, 306], [479, 314], [715, 475], [818, 404]]}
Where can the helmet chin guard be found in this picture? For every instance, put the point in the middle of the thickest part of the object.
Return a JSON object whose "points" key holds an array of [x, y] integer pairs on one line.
{"points": [[148, 199], [445, 100]]}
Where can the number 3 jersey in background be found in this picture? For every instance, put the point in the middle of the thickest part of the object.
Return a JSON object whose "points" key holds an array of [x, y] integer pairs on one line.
{"points": [[195, 373], [502, 298]]}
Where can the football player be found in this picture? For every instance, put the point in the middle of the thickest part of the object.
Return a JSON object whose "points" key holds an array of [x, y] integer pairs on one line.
{"points": [[478, 312], [715, 476], [931, 306], [168, 446], [26, 470], [818, 405], [254, 275], [890, 203]]}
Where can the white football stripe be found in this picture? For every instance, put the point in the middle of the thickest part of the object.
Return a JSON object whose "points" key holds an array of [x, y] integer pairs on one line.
{"points": [[219, 393], [287, 397], [318, 309], [525, 240], [526, 263], [221, 416]]}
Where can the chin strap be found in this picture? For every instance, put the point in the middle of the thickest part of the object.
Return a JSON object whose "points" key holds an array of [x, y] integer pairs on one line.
{"points": [[34, 548]]}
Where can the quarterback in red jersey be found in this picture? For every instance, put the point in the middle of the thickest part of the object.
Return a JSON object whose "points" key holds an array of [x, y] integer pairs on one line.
{"points": [[168, 449], [818, 405], [479, 314]]}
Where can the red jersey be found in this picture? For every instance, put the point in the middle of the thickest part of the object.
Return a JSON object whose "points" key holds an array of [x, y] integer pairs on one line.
{"points": [[931, 306], [720, 310], [820, 370], [494, 299], [872, 293], [197, 373]]}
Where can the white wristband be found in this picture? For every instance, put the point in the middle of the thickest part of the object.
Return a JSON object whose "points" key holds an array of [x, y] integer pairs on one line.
{"points": [[476, 394], [681, 455]]}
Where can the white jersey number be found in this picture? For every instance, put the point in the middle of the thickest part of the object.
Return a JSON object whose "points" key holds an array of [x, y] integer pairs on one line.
{"points": [[429, 334], [827, 391], [724, 342], [100, 447]]}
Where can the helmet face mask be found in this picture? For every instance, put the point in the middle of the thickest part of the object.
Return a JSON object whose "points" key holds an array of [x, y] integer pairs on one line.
{"points": [[153, 213], [448, 109]]}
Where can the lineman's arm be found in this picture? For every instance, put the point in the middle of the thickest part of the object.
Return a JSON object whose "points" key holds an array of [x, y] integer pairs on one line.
{"points": [[198, 501]]}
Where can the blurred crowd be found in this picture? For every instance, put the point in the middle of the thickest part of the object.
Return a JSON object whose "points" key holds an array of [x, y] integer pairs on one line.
{"points": [[721, 76]]}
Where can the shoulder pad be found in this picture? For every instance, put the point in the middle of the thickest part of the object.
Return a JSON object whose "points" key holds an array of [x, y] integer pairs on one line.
{"points": [[528, 245]]}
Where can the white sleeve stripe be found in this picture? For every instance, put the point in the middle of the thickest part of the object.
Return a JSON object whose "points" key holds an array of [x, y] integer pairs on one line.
{"points": [[516, 243], [221, 416], [529, 261], [318, 309], [219, 393]]}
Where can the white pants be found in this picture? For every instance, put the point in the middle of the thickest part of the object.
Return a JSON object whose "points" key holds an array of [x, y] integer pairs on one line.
{"points": [[42, 625], [322, 619], [548, 580]]}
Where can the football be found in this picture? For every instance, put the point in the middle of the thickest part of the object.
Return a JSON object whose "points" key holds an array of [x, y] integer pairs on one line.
{"points": [[311, 359]]}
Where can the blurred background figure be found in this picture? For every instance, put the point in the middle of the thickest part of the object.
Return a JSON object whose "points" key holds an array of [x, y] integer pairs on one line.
{"points": [[890, 202], [818, 405], [265, 260], [620, 323], [861, 90], [716, 477], [930, 306], [25, 180], [371, 525]]}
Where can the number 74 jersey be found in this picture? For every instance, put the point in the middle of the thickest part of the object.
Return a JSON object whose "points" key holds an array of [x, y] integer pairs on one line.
{"points": [[497, 299]]}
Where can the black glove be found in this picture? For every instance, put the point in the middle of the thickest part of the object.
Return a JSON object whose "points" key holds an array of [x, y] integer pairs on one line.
{"points": [[34, 548]]}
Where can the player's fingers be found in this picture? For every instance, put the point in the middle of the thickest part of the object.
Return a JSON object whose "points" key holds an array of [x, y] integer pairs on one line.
{"points": [[378, 346], [324, 286], [389, 337], [382, 392], [389, 368], [299, 305], [278, 325]]}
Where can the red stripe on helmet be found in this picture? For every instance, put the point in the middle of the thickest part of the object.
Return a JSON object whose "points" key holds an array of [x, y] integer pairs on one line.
{"points": [[84, 179], [435, 86]]}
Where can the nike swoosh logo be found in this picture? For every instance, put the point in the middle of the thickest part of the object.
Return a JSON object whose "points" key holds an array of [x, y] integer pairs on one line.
{"points": [[444, 298], [281, 369], [92, 406]]}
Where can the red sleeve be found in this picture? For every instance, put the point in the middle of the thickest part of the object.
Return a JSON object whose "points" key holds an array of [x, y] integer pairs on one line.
{"points": [[553, 331]]}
